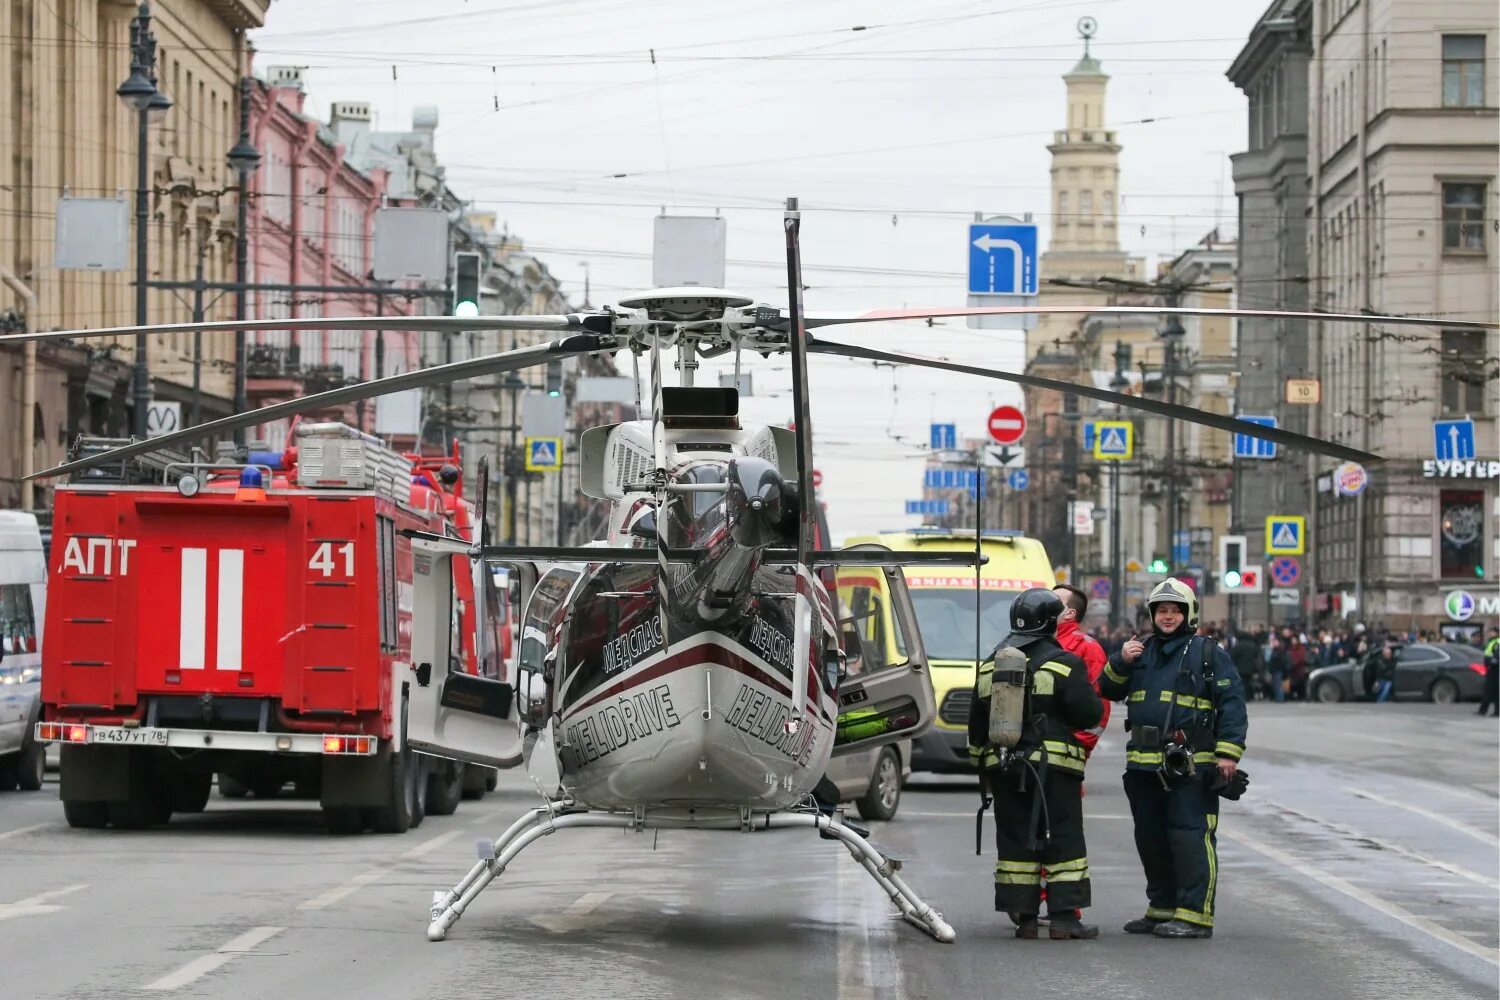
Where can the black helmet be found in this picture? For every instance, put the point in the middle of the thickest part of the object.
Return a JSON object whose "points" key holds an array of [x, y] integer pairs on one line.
{"points": [[1033, 616]]}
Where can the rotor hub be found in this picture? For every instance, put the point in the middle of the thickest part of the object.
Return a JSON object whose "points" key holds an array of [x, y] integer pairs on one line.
{"points": [[686, 304]]}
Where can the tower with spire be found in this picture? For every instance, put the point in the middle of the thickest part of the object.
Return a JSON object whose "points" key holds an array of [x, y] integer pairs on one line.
{"points": [[1084, 243]]}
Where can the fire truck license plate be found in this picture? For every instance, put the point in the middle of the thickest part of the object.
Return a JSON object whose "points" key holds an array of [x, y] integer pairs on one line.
{"points": [[132, 737]]}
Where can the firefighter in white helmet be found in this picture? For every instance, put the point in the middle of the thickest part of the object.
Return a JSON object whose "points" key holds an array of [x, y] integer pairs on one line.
{"points": [[1186, 719]]}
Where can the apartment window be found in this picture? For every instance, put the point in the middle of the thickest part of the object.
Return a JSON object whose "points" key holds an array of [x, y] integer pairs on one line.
{"points": [[1086, 205], [1463, 217], [1463, 71], [1462, 370]]}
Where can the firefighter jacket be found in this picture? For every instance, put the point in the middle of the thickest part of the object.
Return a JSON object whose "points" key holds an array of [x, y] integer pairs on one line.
{"points": [[1084, 646], [1059, 701], [1179, 682]]}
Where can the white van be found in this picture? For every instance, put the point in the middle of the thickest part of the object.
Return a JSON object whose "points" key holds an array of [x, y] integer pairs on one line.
{"points": [[23, 606]]}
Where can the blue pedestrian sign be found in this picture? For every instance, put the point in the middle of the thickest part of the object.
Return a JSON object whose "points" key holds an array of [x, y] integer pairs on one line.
{"points": [[1114, 440], [944, 437], [1088, 435], [1018, 479], [543, 454], [1002, 259], [1453, 440], [936, 508], [1250, 446], [1286, 535]]}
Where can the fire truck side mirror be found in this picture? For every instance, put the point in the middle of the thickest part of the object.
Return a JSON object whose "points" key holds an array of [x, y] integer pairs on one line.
{"points": [[424, 674]]}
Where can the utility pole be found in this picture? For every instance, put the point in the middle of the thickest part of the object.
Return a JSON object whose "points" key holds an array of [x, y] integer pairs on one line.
{"points": [[202, 249], [1119, 383], [1171, 336], [243, 159]]}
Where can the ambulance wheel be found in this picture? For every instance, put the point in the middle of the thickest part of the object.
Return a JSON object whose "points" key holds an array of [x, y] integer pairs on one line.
{"points": [[231, 787], [476, 782], [884, 795], [83, 814], [31, 767], [445, 787], [492, 780], [189, 793], [343, 820]]}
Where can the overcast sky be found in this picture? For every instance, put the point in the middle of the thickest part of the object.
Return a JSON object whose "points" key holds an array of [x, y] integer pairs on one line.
{"points": [[554, 116]]}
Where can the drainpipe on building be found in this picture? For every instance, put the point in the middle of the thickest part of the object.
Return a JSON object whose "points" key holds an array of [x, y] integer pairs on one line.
{"points": [[28, 389]]}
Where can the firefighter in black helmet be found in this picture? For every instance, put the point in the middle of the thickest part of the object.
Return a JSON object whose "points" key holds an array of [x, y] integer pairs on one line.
{"points": [[1187, 724], [1035, 770]]}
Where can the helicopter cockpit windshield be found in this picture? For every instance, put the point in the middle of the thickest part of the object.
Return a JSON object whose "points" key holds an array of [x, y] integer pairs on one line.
{"points": [[697, 519]]}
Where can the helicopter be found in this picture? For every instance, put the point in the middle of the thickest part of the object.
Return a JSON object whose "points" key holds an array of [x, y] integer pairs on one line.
{"points": [[690, 670]]}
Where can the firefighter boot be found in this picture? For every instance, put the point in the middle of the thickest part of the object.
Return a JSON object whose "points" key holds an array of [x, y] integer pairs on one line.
{"points": [[1026, 925], [1070, 928], [1143, 925], [1181, 929]]}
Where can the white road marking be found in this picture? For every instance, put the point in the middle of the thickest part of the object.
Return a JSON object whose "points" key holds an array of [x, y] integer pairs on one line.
{"points": [[575, 916], [1436, 817], [1432, 929], [350, 886], [1386, 845], [203, 965], [23, 829], [34, 905]]}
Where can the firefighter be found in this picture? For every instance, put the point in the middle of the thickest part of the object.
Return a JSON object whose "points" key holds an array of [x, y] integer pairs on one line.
{"points": [[1186, 719], [1036, 778]]}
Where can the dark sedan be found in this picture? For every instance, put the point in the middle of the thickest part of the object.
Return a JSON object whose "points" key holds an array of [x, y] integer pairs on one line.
{"points": [[1443, 672]]}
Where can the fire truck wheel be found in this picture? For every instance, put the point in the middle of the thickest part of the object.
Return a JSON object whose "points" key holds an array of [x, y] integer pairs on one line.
{"points": [[266, 786], [407, 792], [10, 774], [140, 811], [343, 820], [82, 814], [189, 792], [231, 787], [445, 787]]}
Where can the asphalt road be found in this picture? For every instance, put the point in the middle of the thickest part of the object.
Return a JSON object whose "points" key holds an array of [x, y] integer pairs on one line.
{"points": [[1362, 865]]}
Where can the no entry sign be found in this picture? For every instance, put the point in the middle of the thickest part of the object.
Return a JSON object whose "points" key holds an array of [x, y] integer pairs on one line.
{"points": [[1007, 424]]}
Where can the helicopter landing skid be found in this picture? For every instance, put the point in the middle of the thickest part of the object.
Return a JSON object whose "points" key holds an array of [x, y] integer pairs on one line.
{"points": [[495, 856]]}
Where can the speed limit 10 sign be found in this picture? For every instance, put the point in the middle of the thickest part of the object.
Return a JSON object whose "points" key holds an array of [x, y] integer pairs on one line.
{"points": [[1303, 391]]}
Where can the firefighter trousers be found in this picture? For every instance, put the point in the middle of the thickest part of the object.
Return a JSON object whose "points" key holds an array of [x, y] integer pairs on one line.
{"points": [[1176, 837], [1025, 850]]}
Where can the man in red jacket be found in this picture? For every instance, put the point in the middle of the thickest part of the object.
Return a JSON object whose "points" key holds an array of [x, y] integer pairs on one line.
{"points": [[1078, 642]]}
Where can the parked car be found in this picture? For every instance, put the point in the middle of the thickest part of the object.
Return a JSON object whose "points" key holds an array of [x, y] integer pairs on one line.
{"points": [[1443, 672], [872, 779]]}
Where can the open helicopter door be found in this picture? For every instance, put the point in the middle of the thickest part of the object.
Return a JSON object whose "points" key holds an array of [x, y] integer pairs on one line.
{"points": [[886, 693], [452, 712]]}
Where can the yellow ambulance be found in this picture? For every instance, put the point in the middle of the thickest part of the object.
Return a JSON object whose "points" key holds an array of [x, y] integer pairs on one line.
{"points": [[944, 598]]}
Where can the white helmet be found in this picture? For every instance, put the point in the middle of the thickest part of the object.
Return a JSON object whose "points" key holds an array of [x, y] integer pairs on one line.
{"points": [[1175, 592]]}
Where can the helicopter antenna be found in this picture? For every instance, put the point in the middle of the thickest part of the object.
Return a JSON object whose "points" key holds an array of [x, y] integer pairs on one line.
{"points": [[659, 449], [802, 411]]}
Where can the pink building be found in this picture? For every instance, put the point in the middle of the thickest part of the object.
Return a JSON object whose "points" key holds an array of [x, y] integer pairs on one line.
{"points": [[312, 219]]}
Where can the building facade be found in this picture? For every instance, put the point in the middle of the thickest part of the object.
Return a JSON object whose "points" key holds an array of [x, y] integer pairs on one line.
{"points": [[1403, 154], [67, 133], [1270, 178]]}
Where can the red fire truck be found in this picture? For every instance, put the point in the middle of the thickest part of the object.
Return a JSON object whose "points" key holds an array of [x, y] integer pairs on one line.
{"points": [[252, 619]]}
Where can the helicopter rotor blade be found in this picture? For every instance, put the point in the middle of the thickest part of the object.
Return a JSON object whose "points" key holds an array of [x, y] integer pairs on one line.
{"points": [[1176, 411], [599, 323], [491, 364], [816, 320], [801, 407]]}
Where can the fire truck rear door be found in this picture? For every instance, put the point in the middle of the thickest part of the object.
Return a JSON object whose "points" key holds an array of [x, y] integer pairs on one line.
{"points": [[452, 713]]}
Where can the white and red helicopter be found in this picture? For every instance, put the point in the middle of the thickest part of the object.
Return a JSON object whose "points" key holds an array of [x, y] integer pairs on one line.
{"points": [[690, 670]]}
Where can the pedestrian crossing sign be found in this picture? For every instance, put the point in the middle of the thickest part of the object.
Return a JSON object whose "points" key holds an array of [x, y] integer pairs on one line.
{"points": [[1114, 440], [1286, 535], [543, 454]]}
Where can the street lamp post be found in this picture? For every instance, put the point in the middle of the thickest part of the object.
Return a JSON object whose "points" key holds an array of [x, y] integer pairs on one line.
{"points": [[1171, 336], [1119, 383], [243, 159], [140, 94]]}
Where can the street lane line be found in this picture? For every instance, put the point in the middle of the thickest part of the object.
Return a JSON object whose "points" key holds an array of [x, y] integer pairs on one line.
{"points": [[204, 964], [1448, 821], [352, 885], [1432, 929], [24, 829], [38, 904], [575, 916], [1386, 845]]}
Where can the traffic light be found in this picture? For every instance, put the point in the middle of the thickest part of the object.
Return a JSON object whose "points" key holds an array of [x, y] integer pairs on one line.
{"points": [[1236, 575], [1158, 565], [466, 284], [554, 378]]}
